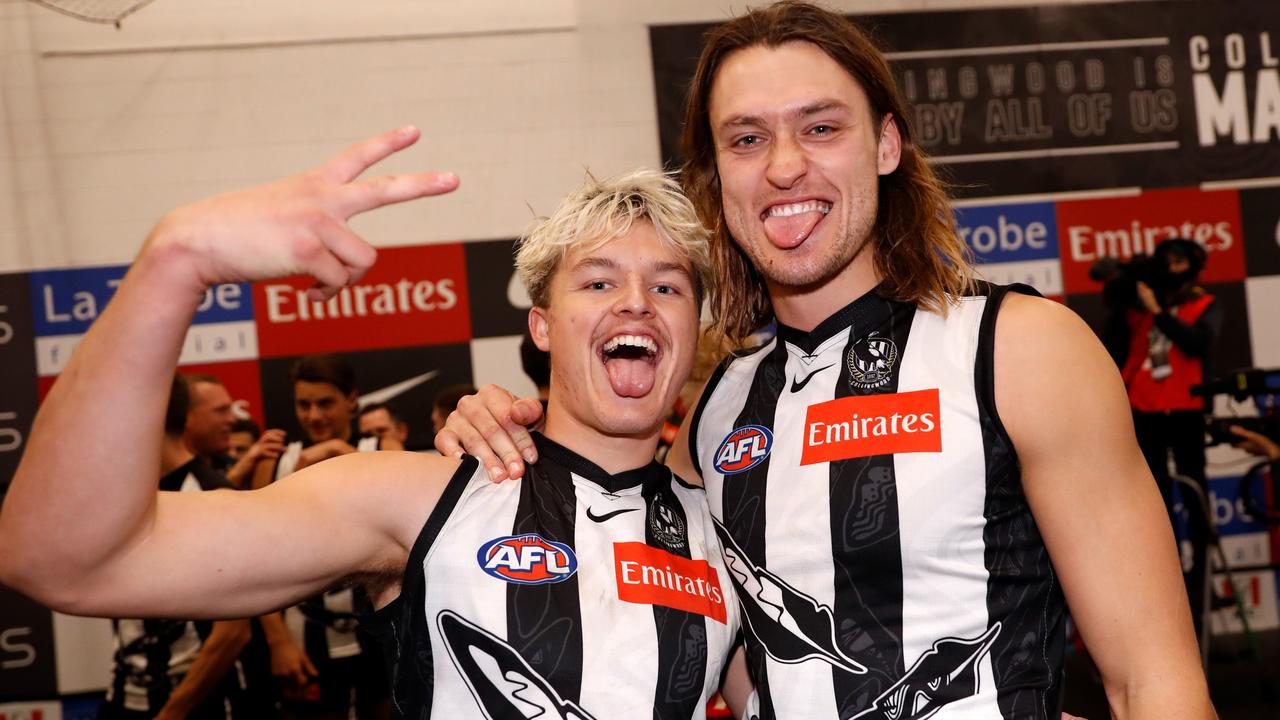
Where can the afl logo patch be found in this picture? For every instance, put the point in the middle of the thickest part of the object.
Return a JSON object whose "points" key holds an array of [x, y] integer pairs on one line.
{"points": [[871, 361], [743, 448], [527, 560]]}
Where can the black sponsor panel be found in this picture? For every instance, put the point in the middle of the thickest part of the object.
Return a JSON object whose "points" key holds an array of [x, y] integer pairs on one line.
{"points": [[27, 668], [18, 386], [406, 379], [499, 304], [1260, 218], [1042, 99], [1231, 352]]}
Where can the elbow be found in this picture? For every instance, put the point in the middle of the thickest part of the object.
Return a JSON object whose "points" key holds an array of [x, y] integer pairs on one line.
{"points": [[53, 584]]}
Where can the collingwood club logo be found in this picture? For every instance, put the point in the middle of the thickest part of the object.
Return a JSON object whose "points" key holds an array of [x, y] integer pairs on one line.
{"points": [[666, 524], [871, 361]]}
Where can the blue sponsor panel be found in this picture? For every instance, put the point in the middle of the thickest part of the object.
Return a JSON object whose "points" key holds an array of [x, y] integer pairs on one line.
{"points": [[1014, 243], [66, 302], [1009, 233]]}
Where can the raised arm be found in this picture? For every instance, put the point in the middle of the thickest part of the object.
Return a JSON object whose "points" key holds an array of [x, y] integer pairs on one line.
{"points": [[1061, 400], [122, 549]]}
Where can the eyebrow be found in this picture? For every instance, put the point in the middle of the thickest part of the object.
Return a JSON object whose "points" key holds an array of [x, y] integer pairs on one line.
{"points": [[608, 264], [804, 111]]}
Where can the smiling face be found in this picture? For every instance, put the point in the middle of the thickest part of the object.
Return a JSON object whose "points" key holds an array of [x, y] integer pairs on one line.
{"points": [[621, 325], [209, 419], [799, 157], [323, 411]]}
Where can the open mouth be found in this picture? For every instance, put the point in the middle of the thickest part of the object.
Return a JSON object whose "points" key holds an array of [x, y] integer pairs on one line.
{"points": [[631, 363], [789, 224]]}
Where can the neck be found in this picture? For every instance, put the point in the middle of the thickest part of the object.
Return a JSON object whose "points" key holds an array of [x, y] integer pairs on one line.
{"points": [[613, 453], [804, 307], [173, 454]]}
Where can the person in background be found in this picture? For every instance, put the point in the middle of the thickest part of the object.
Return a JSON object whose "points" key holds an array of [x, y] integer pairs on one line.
{"points": [[446, 402], [381, 421], [174, 669], [1161, 330]]}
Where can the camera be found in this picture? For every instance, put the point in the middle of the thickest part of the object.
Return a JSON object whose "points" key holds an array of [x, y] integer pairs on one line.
{"points": [[1260, 384], [1121, 277]]}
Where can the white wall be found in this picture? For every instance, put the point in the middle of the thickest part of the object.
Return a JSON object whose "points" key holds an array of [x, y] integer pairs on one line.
{"points": [[103, 130]]}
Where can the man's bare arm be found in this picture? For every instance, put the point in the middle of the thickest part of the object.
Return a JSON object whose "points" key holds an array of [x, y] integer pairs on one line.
{"points": [[1061, 400], [125, 550], [217, 655]]}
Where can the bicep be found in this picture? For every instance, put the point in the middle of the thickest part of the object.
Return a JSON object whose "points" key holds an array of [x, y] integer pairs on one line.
{"points": [[242, 553], [1089, 489]]}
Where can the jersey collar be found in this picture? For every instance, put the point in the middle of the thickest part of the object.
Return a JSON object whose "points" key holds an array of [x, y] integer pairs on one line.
{"points": [[651, 474], [869, 311]]}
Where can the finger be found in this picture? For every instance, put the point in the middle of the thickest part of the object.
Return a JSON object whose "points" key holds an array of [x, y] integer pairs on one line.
{"points": [[447, 444], [524, 414], [329, 272], [311, 669], [347, 247], [473, 440], [373, 193], [348, 164]]}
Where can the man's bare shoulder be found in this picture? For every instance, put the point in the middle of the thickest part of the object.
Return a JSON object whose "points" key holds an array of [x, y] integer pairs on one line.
{"points": [[1052, 374]]}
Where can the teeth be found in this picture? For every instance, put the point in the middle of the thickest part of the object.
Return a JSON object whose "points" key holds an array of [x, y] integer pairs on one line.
{"points": [[797, 208], [632, 340]]}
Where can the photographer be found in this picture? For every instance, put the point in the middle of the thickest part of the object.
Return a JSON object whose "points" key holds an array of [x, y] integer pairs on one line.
{"points": [[1161, 329]]}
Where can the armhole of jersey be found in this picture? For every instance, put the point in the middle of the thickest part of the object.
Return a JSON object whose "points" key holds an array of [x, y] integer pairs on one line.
{"points": [[984, 365], [412, 578], [696, 419], [443, 509]]}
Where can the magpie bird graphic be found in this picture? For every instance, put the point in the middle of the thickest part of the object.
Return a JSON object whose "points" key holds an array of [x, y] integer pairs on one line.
{"points": [[502, 683], [792, 627], [944, 674]]}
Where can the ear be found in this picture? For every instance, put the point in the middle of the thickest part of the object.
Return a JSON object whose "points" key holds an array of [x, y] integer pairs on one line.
{"points": [[353, 401], [890, 149], [538, 328]]}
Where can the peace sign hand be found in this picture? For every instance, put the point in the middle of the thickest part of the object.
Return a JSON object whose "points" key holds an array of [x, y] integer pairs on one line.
{"points": [[298, 225]]}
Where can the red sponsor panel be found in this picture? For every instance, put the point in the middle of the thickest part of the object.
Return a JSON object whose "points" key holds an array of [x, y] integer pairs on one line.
{"points": [[856, 427], [242, 380], [647, 575], [412, 296], [1122, 227]]}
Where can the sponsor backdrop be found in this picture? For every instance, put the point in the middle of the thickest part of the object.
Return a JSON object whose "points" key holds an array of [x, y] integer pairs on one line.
{"points": [[1070, 132]]}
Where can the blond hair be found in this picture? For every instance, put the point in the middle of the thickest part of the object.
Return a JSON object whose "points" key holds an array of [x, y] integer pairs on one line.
{"points": [[603, 210], [918, 253]]}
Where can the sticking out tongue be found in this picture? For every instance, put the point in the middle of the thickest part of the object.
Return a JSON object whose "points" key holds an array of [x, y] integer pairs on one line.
{"points": [[788, 232], [630, 377]]}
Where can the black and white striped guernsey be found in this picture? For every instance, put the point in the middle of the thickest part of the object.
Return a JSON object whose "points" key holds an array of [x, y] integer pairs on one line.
{"points": [[570, 593], [874, 522]]}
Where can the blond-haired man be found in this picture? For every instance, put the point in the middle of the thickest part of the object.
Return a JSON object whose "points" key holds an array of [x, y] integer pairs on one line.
{"points": [[509, 600]]}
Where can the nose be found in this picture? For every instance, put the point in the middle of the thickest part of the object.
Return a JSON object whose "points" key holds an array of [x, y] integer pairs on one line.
{"points": [[787, 162], [634, 299]]}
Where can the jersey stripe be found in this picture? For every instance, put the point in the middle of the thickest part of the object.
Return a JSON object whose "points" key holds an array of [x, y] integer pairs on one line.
{"points": [[864, 524], [681, 635]]}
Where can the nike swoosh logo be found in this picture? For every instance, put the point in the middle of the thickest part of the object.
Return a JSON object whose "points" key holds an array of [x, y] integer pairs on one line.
{"points": [[385, 394], [609, 515], [798, 386]]}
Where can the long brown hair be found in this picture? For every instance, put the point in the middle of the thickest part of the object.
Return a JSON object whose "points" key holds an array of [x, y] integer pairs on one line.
{"points": [[916, 249]]}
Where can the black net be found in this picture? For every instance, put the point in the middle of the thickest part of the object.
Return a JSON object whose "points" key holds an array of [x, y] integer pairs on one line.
{"points": [[99, 11]]}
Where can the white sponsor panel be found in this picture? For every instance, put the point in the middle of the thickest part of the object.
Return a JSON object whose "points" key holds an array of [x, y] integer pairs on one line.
{"points": [[83, 647], [1257, 590], [31, 711], [1043, 275], [1262, 296], [206, 342]]}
